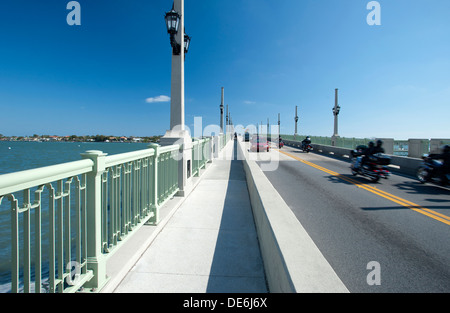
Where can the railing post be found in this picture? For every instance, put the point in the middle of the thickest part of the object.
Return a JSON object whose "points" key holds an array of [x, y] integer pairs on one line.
{"points": [[154, 220], [184, 158], [95, 259], [210, 149], [388, 145], [216, 145], [417, 147], [195, 157]]}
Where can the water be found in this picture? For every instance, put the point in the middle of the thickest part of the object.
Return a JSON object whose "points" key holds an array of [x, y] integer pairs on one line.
{"points": [[19, 156]]}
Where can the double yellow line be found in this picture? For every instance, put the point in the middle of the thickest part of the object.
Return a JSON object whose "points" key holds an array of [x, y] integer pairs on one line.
{"points": [[403, 202]]}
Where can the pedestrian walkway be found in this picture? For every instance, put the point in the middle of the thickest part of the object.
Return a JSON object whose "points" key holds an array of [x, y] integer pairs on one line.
{"points": [[209, 245]]}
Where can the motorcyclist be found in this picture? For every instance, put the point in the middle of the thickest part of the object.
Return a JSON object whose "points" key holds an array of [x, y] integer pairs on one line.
{"points": [[445, 168], [363, 155], [306, 141], [280, 142], [378, 147]]}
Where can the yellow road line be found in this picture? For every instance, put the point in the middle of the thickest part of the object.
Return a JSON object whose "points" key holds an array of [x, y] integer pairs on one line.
{"points": [[403, 202]]}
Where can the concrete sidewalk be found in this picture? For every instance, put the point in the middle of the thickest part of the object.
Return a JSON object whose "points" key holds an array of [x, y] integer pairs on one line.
{"points": [[209, 244]]}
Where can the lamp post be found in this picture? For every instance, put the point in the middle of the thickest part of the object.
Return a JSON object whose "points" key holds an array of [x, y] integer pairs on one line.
{"points": [[296, 121], [180, 43], [226, 127], [177, 134], [221, 111], [336, 111], [279, 129]]}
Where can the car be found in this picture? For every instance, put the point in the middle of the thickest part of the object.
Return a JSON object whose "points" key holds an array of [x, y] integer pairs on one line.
{"points": [[259, 143], [247, 137]]}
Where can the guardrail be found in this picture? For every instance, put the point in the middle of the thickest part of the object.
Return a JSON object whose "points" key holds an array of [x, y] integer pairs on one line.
{"points": [[414, 148], [67, 177], [201, 153], [67, 219]]}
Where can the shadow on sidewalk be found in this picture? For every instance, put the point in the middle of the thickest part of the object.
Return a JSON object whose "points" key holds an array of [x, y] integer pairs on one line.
{"points": [[237, 265]]}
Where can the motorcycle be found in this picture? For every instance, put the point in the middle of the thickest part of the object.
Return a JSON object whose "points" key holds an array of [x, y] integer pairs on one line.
{"points": [[428, 172], [306, 147], [374, 168]]}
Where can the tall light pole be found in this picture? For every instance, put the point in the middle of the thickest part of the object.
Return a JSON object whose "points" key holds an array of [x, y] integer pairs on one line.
{"points": [[180, 45], [296, 121], [177, 134], [221, 111], [226, 130], [336, 111], [279, 124], [279, 131]]}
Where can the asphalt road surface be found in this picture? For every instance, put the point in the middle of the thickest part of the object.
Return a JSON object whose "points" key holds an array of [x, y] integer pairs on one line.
{"points": [[390, 236]]}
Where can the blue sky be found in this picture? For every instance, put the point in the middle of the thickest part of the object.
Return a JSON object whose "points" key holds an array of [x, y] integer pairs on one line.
{"points": [[393, 79]]}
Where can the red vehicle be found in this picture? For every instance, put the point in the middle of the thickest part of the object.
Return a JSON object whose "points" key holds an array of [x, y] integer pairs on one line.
{"points": [[259, 144]]}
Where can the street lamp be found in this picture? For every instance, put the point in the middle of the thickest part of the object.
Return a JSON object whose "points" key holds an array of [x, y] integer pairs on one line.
{"points": [[187, 41], [177, 134], [221, 111], [172, 23], [336, 111], [279, 130]]}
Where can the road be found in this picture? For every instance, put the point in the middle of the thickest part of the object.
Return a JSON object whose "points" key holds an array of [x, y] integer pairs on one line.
{"points": [[399, 223]]}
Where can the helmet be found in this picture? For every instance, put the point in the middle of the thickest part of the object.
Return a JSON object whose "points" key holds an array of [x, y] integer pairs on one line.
{"points": [[446, 149], [379, 143], [371, 144]]}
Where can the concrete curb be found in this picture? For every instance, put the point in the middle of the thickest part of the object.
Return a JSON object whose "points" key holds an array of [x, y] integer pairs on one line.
{"points": [[292, 262]]}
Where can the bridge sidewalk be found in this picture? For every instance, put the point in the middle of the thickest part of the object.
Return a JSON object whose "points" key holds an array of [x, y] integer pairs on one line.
{"points": [[207, 244]]}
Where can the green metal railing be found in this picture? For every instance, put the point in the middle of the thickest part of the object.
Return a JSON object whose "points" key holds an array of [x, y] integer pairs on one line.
{"points": [[201, 153], [67, 219], [134, 185], [52, 188]]}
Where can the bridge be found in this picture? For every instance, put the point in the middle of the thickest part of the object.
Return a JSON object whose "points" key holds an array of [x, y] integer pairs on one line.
{"points": [[205, 214], [282, 221]]}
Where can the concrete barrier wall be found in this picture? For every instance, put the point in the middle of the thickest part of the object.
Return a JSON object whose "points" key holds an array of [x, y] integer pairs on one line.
{"points": [[399, 164], [292, 261]]}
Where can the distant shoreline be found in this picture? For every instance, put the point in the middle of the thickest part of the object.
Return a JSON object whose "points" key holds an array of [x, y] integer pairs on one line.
{"points": [[74, 138]]}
